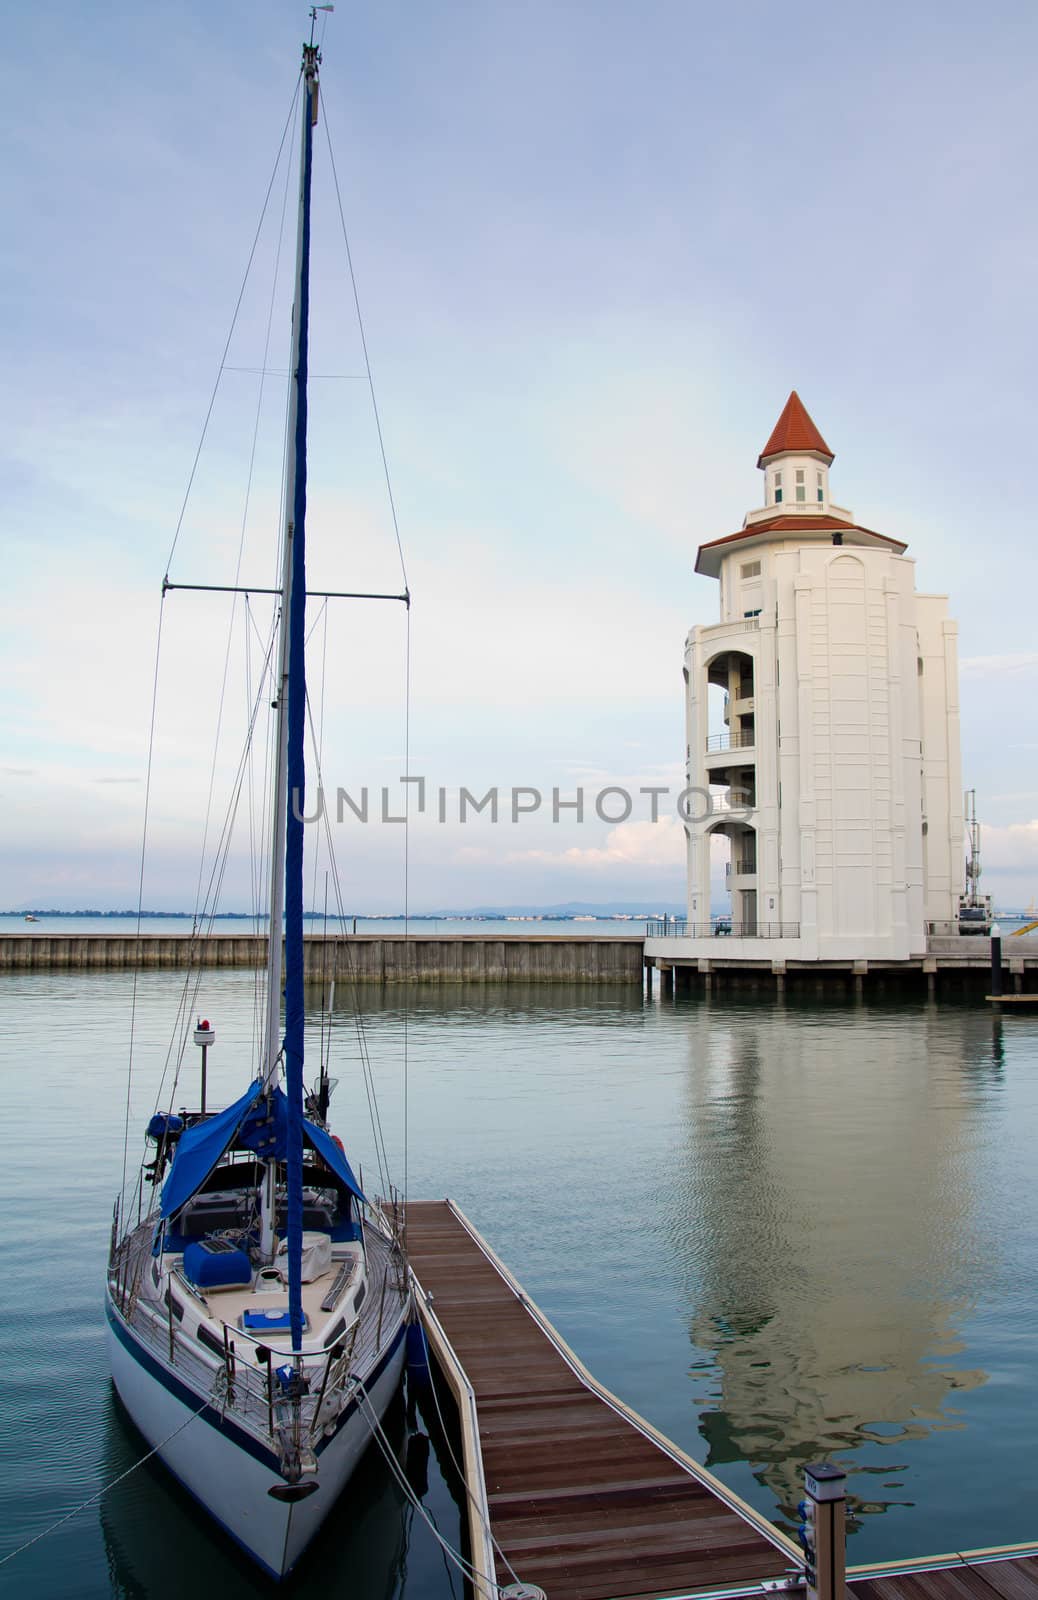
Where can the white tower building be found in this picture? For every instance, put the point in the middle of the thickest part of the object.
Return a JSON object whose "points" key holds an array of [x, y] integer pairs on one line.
{"points": [[822, 715]]}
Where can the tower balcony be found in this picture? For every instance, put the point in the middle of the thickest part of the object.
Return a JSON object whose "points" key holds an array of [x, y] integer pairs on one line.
{"points": [[740, 801], [732, 739], [713, 633]]}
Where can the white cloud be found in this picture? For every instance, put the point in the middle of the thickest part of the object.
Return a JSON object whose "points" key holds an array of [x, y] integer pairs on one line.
{"points": [[1022, 661], [630, 844], [1012, 848]]}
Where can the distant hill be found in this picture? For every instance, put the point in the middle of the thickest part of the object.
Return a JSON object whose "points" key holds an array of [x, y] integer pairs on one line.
{"points": [[574, 908]]}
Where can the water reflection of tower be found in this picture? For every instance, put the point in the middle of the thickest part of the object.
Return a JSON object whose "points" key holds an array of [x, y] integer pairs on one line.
{"points": [[825, 1224]]}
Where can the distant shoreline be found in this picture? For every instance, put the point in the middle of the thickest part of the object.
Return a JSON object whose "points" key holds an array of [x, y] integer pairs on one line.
{"points": [[583, 915], [359, 916]]}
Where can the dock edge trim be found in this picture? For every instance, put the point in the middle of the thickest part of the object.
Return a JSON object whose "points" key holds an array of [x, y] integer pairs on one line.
{"points": [[484, 1565]]}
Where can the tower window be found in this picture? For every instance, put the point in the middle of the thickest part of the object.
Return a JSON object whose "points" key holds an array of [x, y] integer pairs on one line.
{"points": [[801, 489], [777, 488], [750, 569], [821, 494]]}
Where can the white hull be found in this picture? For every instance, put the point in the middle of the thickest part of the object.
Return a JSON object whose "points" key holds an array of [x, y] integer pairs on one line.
{"points": [[228, 1478]]}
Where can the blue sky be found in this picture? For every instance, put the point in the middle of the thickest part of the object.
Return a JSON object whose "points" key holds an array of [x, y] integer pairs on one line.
{"points": [[596, 246]]}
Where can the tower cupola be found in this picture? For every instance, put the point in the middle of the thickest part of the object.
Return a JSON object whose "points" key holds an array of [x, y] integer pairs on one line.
{"points": [[795, 462]]}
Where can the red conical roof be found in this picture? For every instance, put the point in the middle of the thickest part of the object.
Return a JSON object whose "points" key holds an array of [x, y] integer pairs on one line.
{"points": [[794, 430]]}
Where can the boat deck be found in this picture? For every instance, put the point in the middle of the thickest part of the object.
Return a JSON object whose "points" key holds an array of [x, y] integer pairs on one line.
{"points": [[584, 1497]]}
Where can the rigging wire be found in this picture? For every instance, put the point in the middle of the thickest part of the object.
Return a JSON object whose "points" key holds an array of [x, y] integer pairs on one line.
{"points": [[251, 812], [260, 856], [205, 907], [158, 642], [322, 615], [140, 888], [407, 893], [381, 1157], [234, 321], [403, 572], [364, 343], [193, 978], [219, 867], [244, 514]]}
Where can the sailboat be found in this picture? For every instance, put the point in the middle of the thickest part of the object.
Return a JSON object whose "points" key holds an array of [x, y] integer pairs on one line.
{"points": [[257, 1304]]}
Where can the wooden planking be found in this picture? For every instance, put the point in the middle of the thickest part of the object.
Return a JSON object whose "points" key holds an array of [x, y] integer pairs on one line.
{"points": [[947, 1583], [972, 1580], [1013, 1580], [582, 1501]]}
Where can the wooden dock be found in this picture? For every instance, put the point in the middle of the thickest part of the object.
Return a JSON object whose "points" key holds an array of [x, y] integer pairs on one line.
{"points": [[573, 1492], [973, 1575], [584, 1498]]}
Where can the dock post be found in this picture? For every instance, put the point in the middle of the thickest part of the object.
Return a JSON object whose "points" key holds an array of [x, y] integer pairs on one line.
{"points": [[823, 1530], [667, 982], [996, 961], [930, 973]]}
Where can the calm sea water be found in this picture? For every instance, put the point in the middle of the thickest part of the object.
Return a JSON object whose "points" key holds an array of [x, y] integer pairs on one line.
{"points": [[780, 1233]]}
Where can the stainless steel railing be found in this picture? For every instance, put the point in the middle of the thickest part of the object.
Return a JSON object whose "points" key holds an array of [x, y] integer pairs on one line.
{"points": [[740, 740], [718, 928]]}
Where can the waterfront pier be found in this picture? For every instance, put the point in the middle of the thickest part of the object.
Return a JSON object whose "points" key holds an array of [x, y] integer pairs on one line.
{"points": [[571, 1491], [690, 962], [582, 1497], [951, 968], [414, 957]]}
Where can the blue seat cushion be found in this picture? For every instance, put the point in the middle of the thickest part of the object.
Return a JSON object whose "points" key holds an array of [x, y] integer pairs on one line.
{"points": [[266, 1321], [216, 1264]]}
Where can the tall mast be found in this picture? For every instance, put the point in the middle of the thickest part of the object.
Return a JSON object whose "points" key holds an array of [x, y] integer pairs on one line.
{"points": [[272, 1039], [286, 877]]}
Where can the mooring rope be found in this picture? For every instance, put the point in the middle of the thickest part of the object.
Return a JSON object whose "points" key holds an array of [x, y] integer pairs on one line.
{"points": [[102, 1492], [466, 1568]]}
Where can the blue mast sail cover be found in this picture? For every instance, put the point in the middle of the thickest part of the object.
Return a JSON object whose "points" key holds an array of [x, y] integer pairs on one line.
{"points": [[294, 1011], [254, 1124], [265, 1130], [200, 1148]]}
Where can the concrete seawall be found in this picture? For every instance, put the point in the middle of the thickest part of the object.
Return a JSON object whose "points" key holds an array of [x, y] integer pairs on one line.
{"points": [[367, 958]]}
